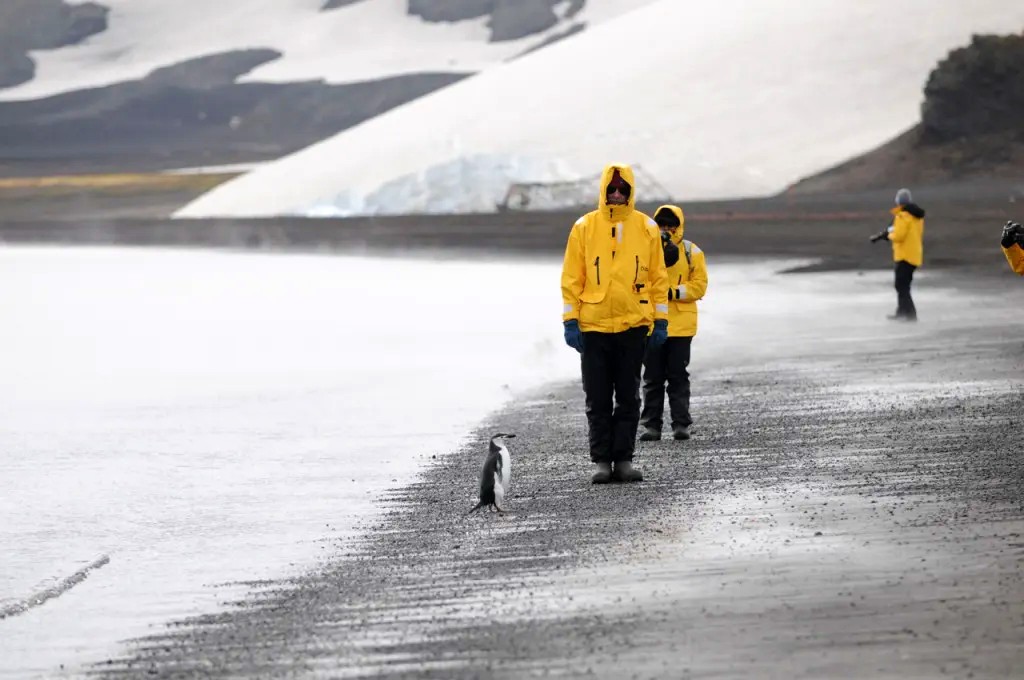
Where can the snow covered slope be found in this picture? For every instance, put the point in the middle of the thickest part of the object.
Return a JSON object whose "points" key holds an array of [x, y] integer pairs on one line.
{"points": [[714, 99], [362, 41]]}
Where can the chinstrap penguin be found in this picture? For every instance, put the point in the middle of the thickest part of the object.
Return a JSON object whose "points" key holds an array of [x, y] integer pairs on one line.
{"points": [[496, 474]]}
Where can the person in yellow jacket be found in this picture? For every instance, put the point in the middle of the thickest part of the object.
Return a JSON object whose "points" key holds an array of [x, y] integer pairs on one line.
{"points": [[688, 281], [1013, 246], [614, 289], [906, 233]]}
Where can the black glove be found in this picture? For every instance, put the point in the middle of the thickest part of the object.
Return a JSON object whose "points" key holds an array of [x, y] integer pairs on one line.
{"points": [[669, 249], [880, 236], [1012, 233]]}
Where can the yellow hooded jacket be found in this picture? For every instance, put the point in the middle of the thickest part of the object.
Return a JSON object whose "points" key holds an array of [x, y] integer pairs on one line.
{"points": [[1015, 256], [613, 274], [687, 281], [907, 234]]}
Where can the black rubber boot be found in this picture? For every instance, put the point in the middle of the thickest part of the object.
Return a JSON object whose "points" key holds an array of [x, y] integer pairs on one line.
{"points": [[650, 435], [625, 472], [603, 474]]}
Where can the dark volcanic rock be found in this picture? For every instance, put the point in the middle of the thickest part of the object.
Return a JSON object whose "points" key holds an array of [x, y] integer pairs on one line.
{"points": [[15, 66], [215, 70], [514, 19], [978, 89], [971, 126], [41, 24], [335, 4], [509, 19], [81, 21], [191, 113], [450, 10]]}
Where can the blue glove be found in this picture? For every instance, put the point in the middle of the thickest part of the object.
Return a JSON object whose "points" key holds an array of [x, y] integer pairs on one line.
{"points": [[573, 335], [660, 334]]}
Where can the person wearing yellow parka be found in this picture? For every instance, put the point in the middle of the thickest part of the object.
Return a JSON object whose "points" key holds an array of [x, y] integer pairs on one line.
{"points": [[614, 289], [906, 233], [688, 281], [1013, 246]]}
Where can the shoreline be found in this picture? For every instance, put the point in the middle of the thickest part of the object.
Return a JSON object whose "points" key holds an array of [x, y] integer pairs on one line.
{"points": [[843, 508], [963, 223]]}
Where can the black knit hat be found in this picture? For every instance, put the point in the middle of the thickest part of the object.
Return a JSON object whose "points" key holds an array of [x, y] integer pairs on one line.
{"points": [[666, 218]]}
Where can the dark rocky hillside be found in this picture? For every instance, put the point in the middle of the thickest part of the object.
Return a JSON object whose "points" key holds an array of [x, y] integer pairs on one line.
{"points": [[39, 25], [972, 126], [196, 113]]}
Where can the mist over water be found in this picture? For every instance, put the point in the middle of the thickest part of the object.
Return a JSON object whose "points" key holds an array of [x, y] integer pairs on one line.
{"points": [[207, 418], [204, 419]]}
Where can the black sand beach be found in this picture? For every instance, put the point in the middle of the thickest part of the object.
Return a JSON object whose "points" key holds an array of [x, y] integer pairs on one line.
{"points": [[850, 504]]}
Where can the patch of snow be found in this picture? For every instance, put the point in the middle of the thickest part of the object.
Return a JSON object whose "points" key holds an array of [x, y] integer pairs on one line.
{"points": [[214, 169], [726, 99], [480, 183], [467, 184], [359, 42]]}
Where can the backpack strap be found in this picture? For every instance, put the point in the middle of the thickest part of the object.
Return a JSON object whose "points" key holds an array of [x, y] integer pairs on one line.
{"points": [[688, 249]]}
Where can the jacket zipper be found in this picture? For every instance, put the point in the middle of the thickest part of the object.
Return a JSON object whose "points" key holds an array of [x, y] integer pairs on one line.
{"points": [[597, 263], [636, 274]]}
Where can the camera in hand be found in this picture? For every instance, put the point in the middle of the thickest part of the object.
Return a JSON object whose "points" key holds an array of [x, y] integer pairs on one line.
{"points": [[880, 236]]}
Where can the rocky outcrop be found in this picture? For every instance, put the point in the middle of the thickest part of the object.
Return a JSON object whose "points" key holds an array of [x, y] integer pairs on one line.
{"points": [[514, 19], [972, 127], [978, 89], [193, 113], [335, 4], [38, 25], [509, 19], [212, 71], [450, 10]]}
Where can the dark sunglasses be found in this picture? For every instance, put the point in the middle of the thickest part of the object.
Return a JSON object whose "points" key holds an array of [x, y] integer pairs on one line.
{"points": [[621, 188]]}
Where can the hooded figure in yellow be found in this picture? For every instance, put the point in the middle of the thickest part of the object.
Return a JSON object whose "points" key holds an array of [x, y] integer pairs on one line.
{"points": [[1013, 246], [688, 281], [614, 289], [906, 233]]}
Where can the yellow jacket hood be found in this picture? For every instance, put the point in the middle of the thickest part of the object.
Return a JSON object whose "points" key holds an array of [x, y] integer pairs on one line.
{"points": [[677, 233], [616, 212]]}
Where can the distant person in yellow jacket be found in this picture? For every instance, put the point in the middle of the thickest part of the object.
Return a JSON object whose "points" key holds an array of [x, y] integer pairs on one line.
{"points": [[906, 233], [614, 289], [688, 281], [1013, 246]]}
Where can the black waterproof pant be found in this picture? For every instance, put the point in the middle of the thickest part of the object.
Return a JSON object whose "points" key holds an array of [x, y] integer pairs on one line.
{"points": [[611, 369], [661, 364], [904, 303]]}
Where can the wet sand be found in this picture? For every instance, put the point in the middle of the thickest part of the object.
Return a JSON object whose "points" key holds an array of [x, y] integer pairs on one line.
{"points": [[850, 506]]}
